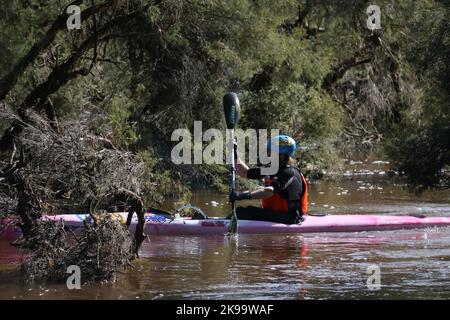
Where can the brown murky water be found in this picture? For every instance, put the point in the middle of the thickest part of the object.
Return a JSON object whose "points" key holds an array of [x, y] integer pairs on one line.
{"points": [[414, 264]]}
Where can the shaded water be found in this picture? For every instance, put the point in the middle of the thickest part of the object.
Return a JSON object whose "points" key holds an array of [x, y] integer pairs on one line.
{"points": [[413, 263]]}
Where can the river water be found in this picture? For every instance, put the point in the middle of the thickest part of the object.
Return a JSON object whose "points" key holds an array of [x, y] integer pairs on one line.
{"points": [[412, 264]]}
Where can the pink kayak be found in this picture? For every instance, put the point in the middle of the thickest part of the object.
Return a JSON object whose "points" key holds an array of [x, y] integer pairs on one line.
{"points": [[165, 225]]}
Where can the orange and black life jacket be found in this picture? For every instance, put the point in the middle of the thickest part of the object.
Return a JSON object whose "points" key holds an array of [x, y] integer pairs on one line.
{"points": [[291, 199]]}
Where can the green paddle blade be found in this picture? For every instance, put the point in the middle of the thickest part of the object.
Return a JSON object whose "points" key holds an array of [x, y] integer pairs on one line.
{"points": [[233, 226], [232, 109]]}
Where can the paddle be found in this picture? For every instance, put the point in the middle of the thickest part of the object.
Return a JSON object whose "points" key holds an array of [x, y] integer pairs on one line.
{"points": [[232, 109]]}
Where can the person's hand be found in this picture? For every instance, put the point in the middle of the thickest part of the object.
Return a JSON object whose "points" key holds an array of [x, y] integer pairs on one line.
{"points": [[235, 147], [233, 196], [237, 196]]}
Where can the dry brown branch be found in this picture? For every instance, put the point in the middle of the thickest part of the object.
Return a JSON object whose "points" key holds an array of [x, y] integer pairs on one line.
{"points": [[71, 171]]}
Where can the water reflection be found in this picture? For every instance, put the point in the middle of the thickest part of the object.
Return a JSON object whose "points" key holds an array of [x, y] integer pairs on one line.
{"points": [[413, 264]]}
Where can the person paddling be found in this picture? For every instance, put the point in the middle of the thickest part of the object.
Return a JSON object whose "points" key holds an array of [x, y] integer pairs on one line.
{"points": [[285, 194]]}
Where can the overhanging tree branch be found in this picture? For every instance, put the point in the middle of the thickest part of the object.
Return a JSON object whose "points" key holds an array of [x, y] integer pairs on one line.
{"points": [[63, 73], [364, 55], [9, 81]]}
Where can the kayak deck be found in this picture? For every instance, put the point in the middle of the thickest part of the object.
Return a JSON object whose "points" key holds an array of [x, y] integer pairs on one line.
{"points": [[164, 225], [312, 224]]}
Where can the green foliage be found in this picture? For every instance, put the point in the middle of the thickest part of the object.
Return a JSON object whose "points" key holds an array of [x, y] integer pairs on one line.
{"points": [[117, 125], [308, 115], [21, 24], [421, 149], [420, 144], [159, 182], [171, 66]]}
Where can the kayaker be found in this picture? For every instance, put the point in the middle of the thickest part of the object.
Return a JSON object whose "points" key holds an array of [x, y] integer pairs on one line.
{"points": [[284, 196]]}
